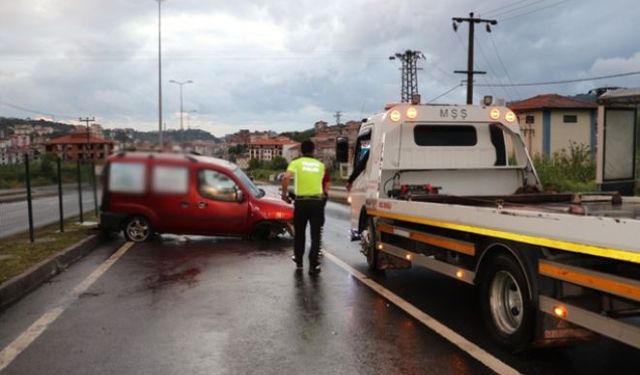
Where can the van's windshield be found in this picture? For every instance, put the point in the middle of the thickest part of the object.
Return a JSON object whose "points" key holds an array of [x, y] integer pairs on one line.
{"points": [[246, 181]]}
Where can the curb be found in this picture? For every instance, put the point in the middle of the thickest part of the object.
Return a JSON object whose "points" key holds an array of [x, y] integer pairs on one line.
{"points": [[17, 287]]}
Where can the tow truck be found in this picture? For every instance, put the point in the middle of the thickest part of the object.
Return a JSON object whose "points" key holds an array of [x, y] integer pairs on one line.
{"points": [[452, 188]]}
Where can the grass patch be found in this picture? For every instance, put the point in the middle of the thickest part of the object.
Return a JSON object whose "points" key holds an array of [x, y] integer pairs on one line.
{"points": [[568, 170], [17, 254]]}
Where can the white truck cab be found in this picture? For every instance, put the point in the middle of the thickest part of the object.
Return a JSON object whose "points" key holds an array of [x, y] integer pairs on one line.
{"points": [[456, 150]]}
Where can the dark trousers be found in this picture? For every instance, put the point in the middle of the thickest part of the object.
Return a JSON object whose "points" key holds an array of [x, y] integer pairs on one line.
{"points": [[312, 211]]}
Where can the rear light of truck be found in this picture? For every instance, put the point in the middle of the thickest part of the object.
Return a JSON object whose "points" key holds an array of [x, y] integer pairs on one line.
{"points": [[494, 114]]}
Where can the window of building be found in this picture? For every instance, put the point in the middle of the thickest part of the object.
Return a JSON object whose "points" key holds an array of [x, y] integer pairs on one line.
{"points": [[217, 186], [170, 179], [126, 177], [445, 135], [570, 119], [529, 119]]}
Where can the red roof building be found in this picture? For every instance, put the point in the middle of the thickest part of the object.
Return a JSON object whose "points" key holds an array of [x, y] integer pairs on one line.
{"points": [[80, 145], [552, 122]]}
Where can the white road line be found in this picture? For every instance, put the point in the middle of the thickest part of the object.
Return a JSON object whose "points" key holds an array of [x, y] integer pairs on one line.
{"points": [[22, 342], [472, 349]]}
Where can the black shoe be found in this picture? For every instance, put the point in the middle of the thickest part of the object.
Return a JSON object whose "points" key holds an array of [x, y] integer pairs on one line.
{"points": [[314, 270], [298, 263]]}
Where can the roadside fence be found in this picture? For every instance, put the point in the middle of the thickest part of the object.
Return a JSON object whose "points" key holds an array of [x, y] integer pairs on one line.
{"points": [[28, 195]]}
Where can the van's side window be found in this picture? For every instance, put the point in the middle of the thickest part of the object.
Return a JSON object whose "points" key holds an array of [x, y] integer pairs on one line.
{"points": [[170, 179], [126, 178], [216, 185]]}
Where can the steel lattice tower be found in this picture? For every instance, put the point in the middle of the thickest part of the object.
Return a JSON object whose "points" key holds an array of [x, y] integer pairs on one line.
{"points": [[409, 73]]}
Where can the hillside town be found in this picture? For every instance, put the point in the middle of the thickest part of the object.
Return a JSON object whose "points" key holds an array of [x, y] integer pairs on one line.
{"points": [[549, 123]]}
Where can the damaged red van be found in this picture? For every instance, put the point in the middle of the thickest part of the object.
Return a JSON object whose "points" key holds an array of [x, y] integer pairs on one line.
{"points": [[147, 193]]}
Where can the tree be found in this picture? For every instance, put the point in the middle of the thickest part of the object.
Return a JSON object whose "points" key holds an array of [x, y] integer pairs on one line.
{"points": [[278, 163], [255, 164]]}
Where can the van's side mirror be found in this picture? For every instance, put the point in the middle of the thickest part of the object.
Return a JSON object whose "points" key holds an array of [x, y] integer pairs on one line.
{"points": [[239, 195], [342, 150]]}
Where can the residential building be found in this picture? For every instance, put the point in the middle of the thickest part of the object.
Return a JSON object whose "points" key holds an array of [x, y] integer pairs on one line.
{"points": [[551, 122], [80, 145], [270, 148]]}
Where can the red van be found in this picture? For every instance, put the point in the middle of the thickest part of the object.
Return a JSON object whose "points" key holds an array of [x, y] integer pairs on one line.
{"points": [[146, 193]]}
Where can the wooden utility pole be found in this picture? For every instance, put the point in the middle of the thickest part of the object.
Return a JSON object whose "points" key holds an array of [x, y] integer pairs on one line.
{"points": [[470, 72]]}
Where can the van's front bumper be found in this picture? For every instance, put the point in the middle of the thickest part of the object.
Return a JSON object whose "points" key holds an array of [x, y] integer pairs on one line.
{"points": [[112, 221]]}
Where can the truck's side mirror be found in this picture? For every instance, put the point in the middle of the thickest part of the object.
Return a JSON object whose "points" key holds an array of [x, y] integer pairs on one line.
{"points": [[342, 150]]}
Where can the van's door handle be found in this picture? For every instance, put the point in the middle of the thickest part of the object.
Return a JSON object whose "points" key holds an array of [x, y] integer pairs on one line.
{"points": [[184, 204], [202, 204]]}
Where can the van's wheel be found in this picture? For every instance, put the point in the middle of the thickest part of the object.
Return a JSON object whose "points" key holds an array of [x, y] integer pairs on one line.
{"points": [[368, 244], [507, 309], [137, 229]]}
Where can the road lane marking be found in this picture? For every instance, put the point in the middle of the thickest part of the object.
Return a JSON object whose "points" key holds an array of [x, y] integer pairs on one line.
{"points": [[22, 342], [472, 349]]}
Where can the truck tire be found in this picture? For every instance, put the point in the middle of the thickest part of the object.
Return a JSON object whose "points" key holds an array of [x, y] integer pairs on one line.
{"points": [[368, 243], [137, 229], [507, 309]]}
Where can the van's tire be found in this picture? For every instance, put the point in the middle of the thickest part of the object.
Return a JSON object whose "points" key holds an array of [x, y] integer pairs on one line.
{"points": [[368, 243], [137, 229], [507, 310]]}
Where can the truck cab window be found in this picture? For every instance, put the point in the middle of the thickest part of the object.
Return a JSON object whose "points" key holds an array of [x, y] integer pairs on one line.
{"points": [[497, 140], [217, 186], [360, 155]]}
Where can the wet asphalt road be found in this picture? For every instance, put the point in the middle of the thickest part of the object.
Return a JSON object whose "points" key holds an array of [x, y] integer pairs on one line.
{"points": [[226, 306]]}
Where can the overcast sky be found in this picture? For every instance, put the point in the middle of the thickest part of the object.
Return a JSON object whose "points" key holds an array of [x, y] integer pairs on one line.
{"points": [[284, 64]]}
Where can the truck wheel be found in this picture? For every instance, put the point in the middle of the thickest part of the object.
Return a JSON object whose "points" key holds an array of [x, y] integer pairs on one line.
{"points": [[137, 229], [368, 244], [507, 309]]}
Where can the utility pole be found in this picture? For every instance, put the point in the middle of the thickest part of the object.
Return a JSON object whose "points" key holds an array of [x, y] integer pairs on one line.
{"points": [[87, 120], [337, 116], [409, 69], [470, 72]]}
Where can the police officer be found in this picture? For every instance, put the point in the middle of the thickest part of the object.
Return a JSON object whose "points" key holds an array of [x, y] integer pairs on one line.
{"points": [[311, 188]]}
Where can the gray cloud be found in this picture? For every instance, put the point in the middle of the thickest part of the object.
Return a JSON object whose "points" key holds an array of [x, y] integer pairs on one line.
{"points": [[284, 65]]}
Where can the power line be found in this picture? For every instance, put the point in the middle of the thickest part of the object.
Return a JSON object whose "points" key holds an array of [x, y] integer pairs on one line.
{"points": [[533, 11], [493, 10], [504, 67], [445, 93], [486, 60], [502, 13], [32, 110], [560, 82]]}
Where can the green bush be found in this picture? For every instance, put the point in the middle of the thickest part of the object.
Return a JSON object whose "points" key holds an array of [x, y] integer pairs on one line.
{"points": [[571, 170]]}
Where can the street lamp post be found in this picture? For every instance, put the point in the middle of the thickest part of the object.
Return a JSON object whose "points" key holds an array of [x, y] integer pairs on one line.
{"points": [[160, 139], [181, 83]]}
